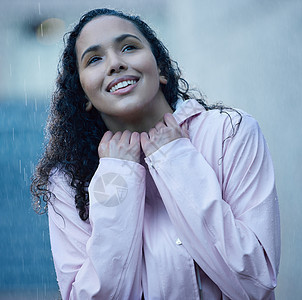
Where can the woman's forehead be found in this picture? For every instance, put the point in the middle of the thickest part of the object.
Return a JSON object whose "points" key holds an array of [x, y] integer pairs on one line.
{"points": [[104, 28]]}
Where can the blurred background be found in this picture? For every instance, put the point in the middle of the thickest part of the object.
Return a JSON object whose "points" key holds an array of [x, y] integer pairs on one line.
{"points": [[246, 54]]}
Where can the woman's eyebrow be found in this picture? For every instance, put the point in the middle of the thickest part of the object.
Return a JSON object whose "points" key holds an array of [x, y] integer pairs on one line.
{"points": [[90, 49], [117, 40], [124, 36]]}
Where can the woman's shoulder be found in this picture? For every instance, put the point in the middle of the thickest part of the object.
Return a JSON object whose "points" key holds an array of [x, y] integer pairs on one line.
{"points": [[216, 128], [58, 174], [60, 182], [62, 209], [227, 119], [215, 118]]}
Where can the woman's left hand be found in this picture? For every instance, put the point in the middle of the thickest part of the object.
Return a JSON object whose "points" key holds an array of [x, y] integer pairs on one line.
{"points": [[162, 133]]}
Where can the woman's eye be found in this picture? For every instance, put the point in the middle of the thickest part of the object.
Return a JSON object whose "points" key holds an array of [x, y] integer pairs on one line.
{"points": [[93, 59], [128, 48]]}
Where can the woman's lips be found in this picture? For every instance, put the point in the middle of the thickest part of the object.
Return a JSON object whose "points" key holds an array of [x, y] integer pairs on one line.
{"points": [[121, 83], [124, 90]]}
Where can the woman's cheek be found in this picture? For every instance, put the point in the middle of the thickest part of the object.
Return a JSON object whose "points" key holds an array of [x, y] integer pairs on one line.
{"points": [[88, 86]]}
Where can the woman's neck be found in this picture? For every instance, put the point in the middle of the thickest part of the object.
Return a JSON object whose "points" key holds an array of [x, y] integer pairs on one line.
{"points": [[141, 120]]}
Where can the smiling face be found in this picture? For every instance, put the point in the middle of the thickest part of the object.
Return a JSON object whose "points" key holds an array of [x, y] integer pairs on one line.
{"points": [[118, 71]]}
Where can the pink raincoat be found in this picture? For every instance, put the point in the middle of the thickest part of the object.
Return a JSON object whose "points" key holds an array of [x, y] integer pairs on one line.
{"points": [[197, 218]]}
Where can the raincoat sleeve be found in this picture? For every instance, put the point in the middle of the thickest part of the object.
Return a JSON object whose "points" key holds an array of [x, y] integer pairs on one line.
{"points": [[100, 258], [224, 209]]}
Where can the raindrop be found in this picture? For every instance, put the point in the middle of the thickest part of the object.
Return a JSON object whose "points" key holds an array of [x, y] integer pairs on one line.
{"points": [[24, 176], [13, 133], [32, 167], [41, 30]]}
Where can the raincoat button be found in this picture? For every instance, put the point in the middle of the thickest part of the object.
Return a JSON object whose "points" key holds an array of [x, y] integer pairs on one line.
{"points": [[178, 242]]}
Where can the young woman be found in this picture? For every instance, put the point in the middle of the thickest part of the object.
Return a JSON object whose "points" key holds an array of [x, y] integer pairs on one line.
{"points": [[149, 193]]}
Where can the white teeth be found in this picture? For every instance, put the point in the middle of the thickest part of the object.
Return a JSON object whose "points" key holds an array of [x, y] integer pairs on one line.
{"points": [[122, 84]]}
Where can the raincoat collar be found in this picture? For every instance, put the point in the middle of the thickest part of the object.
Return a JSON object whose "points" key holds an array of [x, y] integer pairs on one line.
{"points": [[185, 109]]}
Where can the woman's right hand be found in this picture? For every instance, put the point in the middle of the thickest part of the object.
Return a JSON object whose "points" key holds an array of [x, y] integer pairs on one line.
{"points": [[124, 145]]}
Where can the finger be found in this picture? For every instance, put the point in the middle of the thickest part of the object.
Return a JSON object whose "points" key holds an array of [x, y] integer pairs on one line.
{"points": [[146, 144], [134, 139], [159, 125], [144, 139], [185, 129], [170, 120], [106, 137], [117, 136], [126, 136], [152, 132]]}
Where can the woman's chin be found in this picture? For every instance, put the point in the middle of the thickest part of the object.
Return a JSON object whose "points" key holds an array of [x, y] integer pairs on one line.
{"points": [[131, 109]]}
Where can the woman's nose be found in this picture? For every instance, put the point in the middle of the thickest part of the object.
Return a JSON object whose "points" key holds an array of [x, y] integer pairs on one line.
{"points": [[115, 64]]}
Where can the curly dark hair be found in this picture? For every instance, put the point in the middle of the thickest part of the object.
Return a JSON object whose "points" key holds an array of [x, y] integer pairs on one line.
{"points": [[72, 133]]}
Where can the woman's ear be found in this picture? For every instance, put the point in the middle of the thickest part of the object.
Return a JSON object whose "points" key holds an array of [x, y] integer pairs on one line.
{"points": [[88, 105], [163, 79]]}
